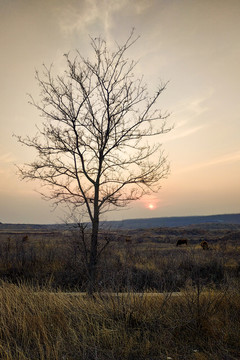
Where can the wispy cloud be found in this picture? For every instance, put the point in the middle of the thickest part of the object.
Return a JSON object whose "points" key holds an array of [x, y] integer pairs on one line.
{"points": [[6, 158], [194, 107], [224, 159], [80, 16], [188, 116], [228, 158], [86, 16], [191, 108], [184, 133]]}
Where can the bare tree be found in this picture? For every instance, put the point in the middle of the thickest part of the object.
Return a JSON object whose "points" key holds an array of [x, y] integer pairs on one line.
{"points": [[93, 146]]}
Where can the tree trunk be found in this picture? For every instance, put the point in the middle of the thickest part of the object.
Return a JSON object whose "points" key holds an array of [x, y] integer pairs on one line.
{"points": [[92, 266]]}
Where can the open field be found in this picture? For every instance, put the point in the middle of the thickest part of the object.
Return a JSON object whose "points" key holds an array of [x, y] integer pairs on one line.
{"points": [[156, 300], [135, 260]]}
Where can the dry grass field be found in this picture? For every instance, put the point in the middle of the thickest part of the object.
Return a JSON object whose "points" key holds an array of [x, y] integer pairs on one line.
{"points": [[135, 260], [136, 314], [44, 325]]}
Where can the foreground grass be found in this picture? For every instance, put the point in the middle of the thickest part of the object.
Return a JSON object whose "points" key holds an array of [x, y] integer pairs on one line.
{"points": [[43, 325]]}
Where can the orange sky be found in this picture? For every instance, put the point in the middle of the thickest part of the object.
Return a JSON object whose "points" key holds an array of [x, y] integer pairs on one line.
{"points": [[193, 44]]}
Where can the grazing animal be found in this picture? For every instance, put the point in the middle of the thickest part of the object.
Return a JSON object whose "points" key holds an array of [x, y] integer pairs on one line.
{"points": [[204, 245], [128, 239], [25, 238], [181, 242]]}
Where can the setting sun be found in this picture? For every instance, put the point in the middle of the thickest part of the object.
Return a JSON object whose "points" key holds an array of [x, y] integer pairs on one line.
{"points": [[150, 202], [151, 206]]}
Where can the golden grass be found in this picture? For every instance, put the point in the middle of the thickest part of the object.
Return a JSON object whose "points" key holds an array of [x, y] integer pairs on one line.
{"points": [[43, 325]]}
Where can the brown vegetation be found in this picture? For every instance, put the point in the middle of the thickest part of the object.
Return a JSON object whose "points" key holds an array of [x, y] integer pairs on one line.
{"points": [[43, 325], [136, 315], [149, 261], [204, 245]]}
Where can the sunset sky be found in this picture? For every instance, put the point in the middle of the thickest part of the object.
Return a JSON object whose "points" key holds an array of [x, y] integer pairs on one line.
{"points": [[193, 44]]}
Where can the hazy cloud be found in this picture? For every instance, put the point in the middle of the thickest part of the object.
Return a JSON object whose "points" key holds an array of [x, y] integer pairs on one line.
{"points": [[182, 133], [7, 158], [227, 158]]}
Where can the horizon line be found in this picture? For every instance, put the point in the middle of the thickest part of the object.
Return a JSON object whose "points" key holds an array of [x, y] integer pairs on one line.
{"points": [[123, 220]]}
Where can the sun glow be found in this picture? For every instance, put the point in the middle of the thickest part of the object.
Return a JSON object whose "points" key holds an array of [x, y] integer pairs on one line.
{"points": [[150, 202], [151, 206]]}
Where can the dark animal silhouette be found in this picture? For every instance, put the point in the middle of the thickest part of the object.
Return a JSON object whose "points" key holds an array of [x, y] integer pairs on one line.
{"points": [[25, 238], [182, 242], [128, 239], [204, 245]]}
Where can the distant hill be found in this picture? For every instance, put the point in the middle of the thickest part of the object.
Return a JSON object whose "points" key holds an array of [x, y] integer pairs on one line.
{"points": [[216, 221], [177, 221]]}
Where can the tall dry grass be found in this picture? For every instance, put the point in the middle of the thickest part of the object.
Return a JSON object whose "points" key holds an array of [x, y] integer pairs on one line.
{"points": [[197, 324]]}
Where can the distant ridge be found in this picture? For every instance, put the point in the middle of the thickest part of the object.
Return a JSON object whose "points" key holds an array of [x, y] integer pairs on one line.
{"points": [[176, 221]]}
